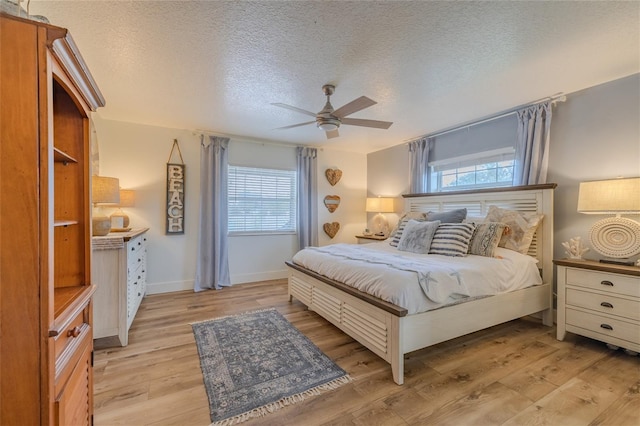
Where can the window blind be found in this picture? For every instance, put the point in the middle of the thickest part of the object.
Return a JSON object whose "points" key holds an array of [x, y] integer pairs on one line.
{"points": [[261, 200]]}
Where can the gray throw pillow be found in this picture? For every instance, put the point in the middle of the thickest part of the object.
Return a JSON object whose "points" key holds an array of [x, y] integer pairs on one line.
{"points": [[394, 237], [417, 236], [453, 216]]}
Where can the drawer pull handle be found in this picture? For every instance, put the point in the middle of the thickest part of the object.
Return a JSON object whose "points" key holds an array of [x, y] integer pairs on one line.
{"points": [[74, 332], [608, 283], [606, 305], [606, 326], [133, 248]]}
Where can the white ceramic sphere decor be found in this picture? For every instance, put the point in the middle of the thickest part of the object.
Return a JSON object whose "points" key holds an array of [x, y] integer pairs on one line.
{"points": [[616, 237]]}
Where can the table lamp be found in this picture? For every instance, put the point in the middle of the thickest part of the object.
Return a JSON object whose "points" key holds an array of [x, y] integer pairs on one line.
{"points": [[380, 205], [120, 220], [615, 237], [104, 190]]}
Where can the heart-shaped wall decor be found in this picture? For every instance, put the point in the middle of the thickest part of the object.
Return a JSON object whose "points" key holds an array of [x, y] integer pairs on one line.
{"points": [[331, 202], [331, 229], [333, 175]]}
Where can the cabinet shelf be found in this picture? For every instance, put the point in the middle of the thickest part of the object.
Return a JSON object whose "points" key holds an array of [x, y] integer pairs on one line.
{"points": [[62, 157]]}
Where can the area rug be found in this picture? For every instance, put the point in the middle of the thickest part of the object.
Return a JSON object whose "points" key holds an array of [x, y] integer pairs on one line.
{"points": [[257, 362]]}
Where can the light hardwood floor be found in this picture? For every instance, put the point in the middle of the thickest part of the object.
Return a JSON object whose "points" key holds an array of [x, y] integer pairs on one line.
{"points": [[512, 374]]}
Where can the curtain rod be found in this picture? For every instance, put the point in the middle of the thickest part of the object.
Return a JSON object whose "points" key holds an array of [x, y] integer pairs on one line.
{"points": [[558, 97], [243, 138]]}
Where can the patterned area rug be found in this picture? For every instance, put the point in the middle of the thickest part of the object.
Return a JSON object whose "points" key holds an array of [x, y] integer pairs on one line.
{"points": [[257, 362]]}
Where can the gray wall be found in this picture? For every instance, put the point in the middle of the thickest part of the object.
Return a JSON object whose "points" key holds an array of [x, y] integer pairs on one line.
{"points": [[595, 135]]}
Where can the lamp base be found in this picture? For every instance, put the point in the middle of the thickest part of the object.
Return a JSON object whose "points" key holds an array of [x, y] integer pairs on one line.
{"points": [[119, 219], [380, 225], [616, 237], [101, 226]]}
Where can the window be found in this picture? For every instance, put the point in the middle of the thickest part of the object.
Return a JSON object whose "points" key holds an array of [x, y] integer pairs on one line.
{"points": [[482, 170], [261, 200]]}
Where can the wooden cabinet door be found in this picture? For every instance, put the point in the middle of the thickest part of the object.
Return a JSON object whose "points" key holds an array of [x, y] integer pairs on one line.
{"points": [[74, 404]]}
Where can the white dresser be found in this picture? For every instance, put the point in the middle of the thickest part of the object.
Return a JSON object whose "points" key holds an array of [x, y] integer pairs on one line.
{"points": [[599, 300], [119, 270]]}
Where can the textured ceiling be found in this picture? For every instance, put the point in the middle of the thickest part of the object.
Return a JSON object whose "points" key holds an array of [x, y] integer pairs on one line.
{"points": [[218, 65]]}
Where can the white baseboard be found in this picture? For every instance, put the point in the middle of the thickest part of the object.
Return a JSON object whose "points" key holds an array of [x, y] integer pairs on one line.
{"points": [[259, 276], [171, 286]]}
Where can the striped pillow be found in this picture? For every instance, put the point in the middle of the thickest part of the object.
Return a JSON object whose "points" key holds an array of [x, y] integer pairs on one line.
{"points": [[452, 239], [395, 236]]}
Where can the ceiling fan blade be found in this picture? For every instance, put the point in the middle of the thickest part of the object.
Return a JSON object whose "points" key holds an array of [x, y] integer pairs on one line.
{"points": [[354, 106], [292, 108], [332, 134], [294, 125], [367, 123]]}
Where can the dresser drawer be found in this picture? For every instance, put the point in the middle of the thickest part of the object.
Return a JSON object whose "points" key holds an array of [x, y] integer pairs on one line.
{"points": [[604, 325], [612, 283], [135, 244], [135, 260], [604, 303]]}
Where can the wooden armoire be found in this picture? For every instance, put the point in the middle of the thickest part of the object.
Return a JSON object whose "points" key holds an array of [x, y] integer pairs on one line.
{"points": [[46, 342]]}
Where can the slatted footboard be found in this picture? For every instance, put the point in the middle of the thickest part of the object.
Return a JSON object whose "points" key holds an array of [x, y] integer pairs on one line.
{"points": [[372, 326]]}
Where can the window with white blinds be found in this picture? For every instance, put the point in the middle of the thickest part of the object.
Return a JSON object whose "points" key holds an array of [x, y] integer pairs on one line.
{"points": [[261, 200], [489, 169]]}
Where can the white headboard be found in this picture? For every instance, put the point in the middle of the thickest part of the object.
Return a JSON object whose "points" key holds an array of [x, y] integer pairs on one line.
{"points": [[532, 198]]}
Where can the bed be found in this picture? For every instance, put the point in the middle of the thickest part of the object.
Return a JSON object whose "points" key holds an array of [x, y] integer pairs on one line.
{"points": [[390, 330]]}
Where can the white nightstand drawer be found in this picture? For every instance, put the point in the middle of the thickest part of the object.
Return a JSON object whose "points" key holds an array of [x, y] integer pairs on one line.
{"points": [[604, 325], [613, 283], [604, 303]]}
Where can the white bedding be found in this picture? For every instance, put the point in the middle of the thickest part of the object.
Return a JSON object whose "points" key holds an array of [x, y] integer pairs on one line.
{"points": [[420, 282]]}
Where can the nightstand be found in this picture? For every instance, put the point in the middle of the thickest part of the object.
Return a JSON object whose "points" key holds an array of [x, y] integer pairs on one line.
{"points": [[366, 239], [600, 301]]}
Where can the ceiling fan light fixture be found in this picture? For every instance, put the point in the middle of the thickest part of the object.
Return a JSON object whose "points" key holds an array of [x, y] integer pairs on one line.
{"points": [[328, 124], [327, 127]]}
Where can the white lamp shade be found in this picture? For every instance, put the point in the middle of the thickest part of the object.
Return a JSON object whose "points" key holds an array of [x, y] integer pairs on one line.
{"points": [[379, 205], [614, 196], [105, 190], [127, 198]]}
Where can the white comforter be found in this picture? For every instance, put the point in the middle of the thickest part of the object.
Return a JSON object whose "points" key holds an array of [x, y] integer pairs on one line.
{"points": [[420, 282]]}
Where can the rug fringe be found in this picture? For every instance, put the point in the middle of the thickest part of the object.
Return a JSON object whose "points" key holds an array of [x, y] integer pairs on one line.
{"points": [[283, 402], [234, 315]]}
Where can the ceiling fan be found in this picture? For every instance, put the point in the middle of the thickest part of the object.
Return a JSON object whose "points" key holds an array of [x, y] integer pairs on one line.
{"points": [[330, 119]]}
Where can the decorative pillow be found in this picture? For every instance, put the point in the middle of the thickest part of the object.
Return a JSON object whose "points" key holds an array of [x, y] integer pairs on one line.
{"points": [[522, 226], [486, 238], [417, 236], [394, 237], [453, 216], [452, 239]]}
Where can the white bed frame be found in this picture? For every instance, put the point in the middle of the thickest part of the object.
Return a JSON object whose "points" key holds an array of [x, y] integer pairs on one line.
{"points": [[389, 332]]}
